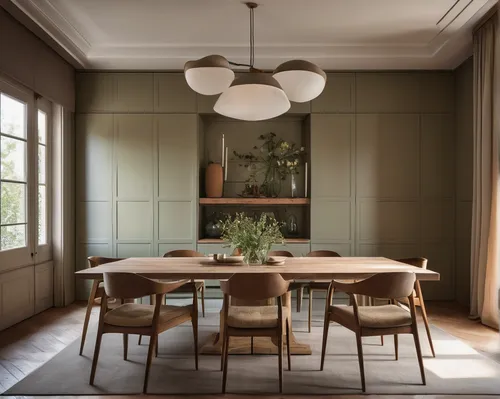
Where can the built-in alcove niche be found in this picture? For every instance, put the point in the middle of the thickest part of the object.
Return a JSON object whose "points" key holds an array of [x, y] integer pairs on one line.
{"points": [[242, 137]]}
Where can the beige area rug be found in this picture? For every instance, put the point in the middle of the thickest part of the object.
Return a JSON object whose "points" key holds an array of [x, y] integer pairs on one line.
{"points": [[457, 369]]}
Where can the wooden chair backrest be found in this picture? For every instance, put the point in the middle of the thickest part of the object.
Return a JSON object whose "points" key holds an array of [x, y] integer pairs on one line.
{"points": [[101, 260], [131, 285], [183, 253], [255, 286], [280, 253], [323, 254], [418, 262], [391, 285]]}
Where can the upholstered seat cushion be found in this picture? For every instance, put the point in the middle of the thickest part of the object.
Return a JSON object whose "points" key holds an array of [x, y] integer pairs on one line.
{"points": [[385, 316], [136, 315], [254, 316]]}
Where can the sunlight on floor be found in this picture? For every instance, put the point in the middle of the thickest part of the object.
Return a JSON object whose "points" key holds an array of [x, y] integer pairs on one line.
{"points": [[460, 368], [452, 347]]}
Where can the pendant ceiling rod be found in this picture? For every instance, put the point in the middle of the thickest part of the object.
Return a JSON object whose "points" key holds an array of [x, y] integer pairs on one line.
{"points": [[252, 6]]}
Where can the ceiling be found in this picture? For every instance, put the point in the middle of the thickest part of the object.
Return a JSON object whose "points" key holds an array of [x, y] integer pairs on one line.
{"points": [[335, 34]]}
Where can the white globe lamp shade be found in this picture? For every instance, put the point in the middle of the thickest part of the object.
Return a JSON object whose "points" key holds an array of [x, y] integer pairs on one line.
{"points": [[301, 80], [209, 75], [254, 96]]}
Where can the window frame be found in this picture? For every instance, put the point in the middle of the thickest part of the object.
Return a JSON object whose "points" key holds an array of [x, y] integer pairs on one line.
{"points": [[43, 252]]}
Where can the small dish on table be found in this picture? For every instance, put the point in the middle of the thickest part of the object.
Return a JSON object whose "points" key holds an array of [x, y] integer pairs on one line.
{"points": [[225, 259], [276, 260]]}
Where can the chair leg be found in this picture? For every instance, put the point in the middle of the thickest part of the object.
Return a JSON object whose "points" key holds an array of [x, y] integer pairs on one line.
{"points": [[326, 326], [125, 346], [396, 346], [156, 345], [427, 327], [96, 356], [88, 312], [288, 348], [194, 322], [300, 295], [202, 292], [360, 359], [140, 340], [251, 345], [419, 353], [222, 353], [224, 371], [280, 361], [152, 344], [309, 320], [382, 340]]}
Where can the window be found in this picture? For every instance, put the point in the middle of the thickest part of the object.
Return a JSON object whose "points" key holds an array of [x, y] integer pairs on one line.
{"points": [[25, 138], [13, 173]]}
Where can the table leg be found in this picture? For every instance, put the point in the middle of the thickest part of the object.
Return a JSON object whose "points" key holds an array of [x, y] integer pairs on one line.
{"points": [[261, 345]]}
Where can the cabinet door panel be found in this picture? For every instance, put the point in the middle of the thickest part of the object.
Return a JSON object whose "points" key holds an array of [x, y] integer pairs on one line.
{"points": [[134, 156], [94, 92], [133, 92], [338, 95], [332, 139], [330, 221], [391, 92], [131, 250], [177, 156], [387, 156], [438, 156], [94, 157], [172, 94], [176, 221]]}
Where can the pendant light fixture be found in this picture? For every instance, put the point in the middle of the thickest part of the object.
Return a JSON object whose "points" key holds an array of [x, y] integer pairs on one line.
{"points": [[301, 80], [255, 95], [209, 75]]}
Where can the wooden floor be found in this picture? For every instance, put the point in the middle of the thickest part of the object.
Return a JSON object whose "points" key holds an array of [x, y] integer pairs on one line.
{"points": [[30, 344]]}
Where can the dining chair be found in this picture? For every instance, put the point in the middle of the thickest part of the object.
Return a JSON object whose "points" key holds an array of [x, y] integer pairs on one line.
{"points": [[132, 318], [418, 297], [199, 284], [366, 321], [255, 321], [294, 285], [186, 288], [95, 294], [318, 285]]}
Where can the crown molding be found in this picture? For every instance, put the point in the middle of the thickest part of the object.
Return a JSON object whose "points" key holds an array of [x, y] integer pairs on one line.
{"points": [[47, 17]]}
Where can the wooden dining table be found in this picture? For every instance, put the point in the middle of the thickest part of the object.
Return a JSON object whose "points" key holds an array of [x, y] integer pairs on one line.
{"points": [[298, 268]]}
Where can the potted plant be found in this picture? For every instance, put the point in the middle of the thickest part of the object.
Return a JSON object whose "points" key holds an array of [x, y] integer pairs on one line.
{"points": [[275, 159], [253, 237]]}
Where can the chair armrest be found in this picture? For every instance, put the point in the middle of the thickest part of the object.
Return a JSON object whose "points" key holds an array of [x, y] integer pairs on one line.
{"points": [[344, 287], [164, 287], [224, 286]]}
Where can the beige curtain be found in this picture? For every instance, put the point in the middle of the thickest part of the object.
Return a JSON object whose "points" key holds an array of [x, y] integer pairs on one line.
{"points": [[485, 251]]}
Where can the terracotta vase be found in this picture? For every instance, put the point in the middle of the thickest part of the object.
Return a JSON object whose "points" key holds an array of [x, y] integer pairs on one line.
{"points": [[214, 181]]}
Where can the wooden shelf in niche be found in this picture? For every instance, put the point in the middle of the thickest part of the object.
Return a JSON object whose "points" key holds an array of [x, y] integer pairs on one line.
{"points": [[255, 201], [287, 241]]}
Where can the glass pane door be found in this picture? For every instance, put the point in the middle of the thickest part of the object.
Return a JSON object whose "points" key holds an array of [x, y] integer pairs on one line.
{"points": [[16, 240]]}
